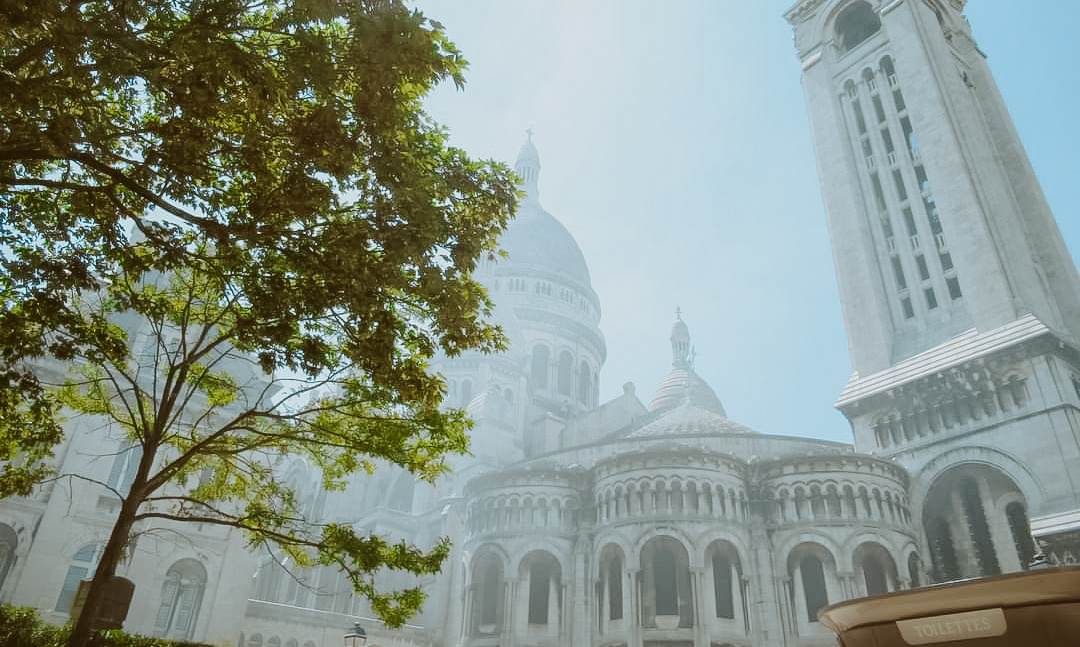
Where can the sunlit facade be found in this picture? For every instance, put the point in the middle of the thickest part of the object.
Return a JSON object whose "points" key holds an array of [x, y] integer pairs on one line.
{"points": [[654, 520]]}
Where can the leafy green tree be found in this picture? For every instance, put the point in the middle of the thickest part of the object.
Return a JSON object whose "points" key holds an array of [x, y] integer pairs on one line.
{"points": [[235, 221]]}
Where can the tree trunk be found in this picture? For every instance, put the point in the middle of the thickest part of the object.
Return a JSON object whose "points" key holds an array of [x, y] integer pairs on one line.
{"points": [[106, 569]]}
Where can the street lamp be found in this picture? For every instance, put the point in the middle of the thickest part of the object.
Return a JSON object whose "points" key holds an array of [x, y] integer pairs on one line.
{"points": [[356, 637]]}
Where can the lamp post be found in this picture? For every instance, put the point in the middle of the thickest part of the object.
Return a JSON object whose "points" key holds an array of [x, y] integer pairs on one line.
{"points": [[356, 637]]}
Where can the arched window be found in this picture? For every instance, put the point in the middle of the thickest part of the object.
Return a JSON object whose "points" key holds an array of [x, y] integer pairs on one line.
{"points": [[566, 368], [124, 468], [725, 600], [855, 24], [181, 597], [268, 580], [813, 581], [665, 583], [83, 564], [8, 542], [584, 383], [942, 551], [914, 568], [401, 494], [540, 359], [972, 504], [488, 595], [874, 576], [1021, 533], [611, 574], [543, 573]]}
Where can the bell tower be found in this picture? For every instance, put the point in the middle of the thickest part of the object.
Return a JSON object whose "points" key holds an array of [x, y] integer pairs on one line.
{"points": [[961, 302]]}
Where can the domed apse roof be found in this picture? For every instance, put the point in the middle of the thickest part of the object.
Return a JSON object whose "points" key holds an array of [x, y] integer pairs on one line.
{"points": [[688, 418], [534, 238]]}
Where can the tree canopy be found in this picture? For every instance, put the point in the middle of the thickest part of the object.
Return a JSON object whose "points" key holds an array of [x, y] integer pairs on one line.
{"points": [[235, 222]]}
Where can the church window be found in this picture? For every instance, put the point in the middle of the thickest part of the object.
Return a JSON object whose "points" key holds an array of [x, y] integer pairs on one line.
{"points": [[954, 286], [879, 110], [901, 191], [83, 565], [905, 304], [722, 587], [124, 468], [898, 271], [855, 24], [540, 359], [879, 194], [924, 270], [565, 372], [931, 299], [813, 581], [181, 597], [1021, 533]]}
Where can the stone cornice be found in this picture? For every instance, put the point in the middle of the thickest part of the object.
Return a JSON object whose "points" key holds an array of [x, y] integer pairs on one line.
{"points": [[802, 10], [955, 352]]}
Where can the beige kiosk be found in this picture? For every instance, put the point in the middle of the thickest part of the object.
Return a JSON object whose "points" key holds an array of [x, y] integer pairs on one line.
{"points": [[1029, 609]]}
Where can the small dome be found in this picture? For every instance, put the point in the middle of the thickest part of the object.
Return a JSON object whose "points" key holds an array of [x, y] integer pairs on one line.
{"points": [[683, 384]]}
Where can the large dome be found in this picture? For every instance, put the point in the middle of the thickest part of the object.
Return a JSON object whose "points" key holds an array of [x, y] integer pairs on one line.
{"points": [[537, 241]]}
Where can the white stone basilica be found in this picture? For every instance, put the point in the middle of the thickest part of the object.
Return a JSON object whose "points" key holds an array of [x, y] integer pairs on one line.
{"points": [[657, 521]]}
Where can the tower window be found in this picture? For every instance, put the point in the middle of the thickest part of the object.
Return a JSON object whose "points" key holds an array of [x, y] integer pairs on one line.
{"points": [[856, 107], [931, 300], [909, 312], [887, 139], [898, 99], [855, 24], [900, 189], [898, 271], [879, 110], [954, 286], [924, 271], [909, 221], [879, 195], [946, 261]]}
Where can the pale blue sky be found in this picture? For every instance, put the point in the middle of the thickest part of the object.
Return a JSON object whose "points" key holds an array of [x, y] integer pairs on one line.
{"points": [[675, 147]]}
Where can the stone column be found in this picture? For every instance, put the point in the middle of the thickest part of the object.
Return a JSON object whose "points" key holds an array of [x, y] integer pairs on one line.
{"points": [[697, 591]]}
